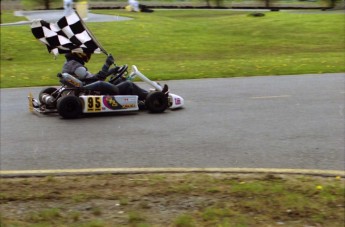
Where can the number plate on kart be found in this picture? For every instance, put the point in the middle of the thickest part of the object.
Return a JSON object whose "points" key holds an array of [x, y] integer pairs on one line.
{"points": [[107, 103]]}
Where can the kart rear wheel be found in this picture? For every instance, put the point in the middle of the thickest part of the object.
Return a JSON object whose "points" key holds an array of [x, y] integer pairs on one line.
{"points": [[48, 90], [156, 102], [69, 107]]}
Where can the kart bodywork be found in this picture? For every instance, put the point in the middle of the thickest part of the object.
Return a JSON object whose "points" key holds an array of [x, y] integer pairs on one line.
{"points": [[73, 98]]}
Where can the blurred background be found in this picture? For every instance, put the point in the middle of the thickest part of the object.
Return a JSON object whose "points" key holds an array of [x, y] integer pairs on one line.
{"points": [[115, 4]]}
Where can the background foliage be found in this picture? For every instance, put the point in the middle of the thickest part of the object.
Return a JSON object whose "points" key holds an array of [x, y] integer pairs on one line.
{"points": [[184, 44]]}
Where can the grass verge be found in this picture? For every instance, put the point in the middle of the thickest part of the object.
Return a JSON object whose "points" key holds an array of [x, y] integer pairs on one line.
{"points": [[173, 200], [7, 16], [181, 44]]}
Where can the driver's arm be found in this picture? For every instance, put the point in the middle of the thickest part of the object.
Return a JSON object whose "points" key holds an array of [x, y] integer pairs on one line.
{"points": [[83, 74]]}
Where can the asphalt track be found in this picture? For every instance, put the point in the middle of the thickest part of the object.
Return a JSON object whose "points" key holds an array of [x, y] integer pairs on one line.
{"points": [[287, 124], [54, 15], [274, 122]]}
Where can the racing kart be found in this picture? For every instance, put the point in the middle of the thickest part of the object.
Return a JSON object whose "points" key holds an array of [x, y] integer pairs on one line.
{"points": [[73, 98]]}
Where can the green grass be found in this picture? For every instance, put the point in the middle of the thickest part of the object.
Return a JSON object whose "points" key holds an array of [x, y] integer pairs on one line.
{"points": [[7, 16], [240, 200], [45, 215], [191, 44]]}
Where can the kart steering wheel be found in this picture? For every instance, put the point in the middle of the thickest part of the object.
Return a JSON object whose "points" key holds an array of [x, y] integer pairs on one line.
{"points": [[121, 71]]}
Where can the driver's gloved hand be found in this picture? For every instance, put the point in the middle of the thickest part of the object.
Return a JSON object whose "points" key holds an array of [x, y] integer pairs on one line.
{"points": [[110, 60], [101, 75], [113, 70]]}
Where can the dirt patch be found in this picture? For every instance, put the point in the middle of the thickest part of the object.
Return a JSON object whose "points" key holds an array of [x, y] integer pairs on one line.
{"points": [[173, 200]]}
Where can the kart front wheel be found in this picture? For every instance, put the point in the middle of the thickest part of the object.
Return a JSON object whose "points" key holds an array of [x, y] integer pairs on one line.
{"points": [[69, 107], [156, 102]]}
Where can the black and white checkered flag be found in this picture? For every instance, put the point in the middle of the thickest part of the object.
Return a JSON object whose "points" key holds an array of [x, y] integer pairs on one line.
{"points": [[69, 34]]}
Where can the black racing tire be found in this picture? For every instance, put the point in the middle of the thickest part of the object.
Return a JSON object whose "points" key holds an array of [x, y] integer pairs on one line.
{"points": [[48, 90], [156, 102], [69, 107]]}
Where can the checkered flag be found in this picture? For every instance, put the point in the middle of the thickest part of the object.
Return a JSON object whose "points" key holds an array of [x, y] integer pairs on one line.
{"points": [[69, 34]]}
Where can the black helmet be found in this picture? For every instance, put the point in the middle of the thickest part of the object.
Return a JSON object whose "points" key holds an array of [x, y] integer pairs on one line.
{"points": [[84, 56], [79, 56]]}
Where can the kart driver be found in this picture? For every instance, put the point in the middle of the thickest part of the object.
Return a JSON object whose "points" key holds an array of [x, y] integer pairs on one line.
{"points": [[75, 66]]}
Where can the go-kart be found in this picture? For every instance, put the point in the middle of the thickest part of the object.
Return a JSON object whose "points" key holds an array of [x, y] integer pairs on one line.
{"points": [[73, 98]]}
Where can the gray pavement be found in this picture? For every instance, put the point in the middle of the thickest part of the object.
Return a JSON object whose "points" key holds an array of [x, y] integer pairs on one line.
{"points": [[54, 15], [294, 122], [290, 122]]}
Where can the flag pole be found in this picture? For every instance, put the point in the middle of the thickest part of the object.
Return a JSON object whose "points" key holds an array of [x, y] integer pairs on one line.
{"points": [[91, 35]]}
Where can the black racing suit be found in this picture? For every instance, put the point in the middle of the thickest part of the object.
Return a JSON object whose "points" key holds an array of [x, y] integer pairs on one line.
{"points": [[76, 68]]}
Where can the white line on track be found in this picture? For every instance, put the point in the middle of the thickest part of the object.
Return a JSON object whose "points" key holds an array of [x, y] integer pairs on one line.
{"points": [[271, 97]]}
